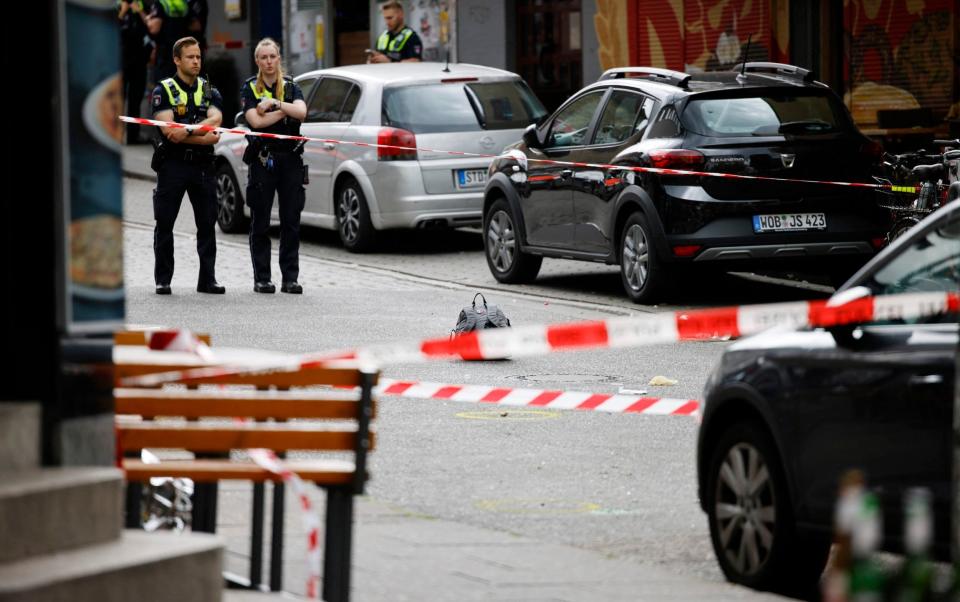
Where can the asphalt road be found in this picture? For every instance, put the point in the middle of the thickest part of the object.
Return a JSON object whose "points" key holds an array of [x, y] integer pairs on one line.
{"points": [[623, 485]]}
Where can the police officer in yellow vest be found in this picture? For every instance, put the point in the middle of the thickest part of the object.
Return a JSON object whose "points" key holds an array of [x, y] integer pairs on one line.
{"points": [[183, 161], [398, 43], [274, 104]]}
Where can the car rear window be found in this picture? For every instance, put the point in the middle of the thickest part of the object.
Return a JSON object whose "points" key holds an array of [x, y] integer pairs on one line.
{"points": [[767, 115], [461, 107]]}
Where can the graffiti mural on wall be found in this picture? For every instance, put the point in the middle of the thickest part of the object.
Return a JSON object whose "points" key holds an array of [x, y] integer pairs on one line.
{"points": [[900, 56], [692, 35]]}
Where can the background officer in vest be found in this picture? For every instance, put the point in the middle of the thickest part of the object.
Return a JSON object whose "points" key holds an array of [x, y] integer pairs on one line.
{"points": [[135, 48], [399, 43], [167, 23], [273, 103], [184, 163]]}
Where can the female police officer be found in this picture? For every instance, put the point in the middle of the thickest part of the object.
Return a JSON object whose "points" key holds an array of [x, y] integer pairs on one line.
{"points": [[273, 103]]}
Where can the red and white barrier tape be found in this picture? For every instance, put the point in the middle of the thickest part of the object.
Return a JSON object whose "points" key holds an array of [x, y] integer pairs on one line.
{"points": [[179, 340], [540, 398], [633, 331], [268, 460], [519, 158]]}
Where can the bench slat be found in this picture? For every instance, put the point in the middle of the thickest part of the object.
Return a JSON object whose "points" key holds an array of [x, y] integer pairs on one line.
{"points": [[246, 404], [139, 337], [340, 377], [210, 437], [322, 472]]}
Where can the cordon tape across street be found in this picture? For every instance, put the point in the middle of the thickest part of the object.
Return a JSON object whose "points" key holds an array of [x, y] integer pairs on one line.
{"points": [[521, 158], [614, 333], [539, 398]]}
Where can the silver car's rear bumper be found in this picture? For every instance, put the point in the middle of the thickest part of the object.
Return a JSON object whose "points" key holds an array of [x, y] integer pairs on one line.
{"points": [[402, 202]]}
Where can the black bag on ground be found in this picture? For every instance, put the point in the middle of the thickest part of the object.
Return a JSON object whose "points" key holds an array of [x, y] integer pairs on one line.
{"points": [[473, 317]]}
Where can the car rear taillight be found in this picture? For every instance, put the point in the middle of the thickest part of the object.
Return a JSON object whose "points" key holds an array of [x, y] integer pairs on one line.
{"points": [[673, 158], [686, 250], [878, 242], [872, 150], [390, 139]]}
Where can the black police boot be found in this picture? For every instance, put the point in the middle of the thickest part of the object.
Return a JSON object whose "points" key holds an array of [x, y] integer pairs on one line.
{"points": [[264, 287], [163, 289], [292, 287], [213, 287]]}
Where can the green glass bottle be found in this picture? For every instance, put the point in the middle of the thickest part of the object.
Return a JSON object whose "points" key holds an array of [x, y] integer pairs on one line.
{"points": [[867, 580], [915, 582]]}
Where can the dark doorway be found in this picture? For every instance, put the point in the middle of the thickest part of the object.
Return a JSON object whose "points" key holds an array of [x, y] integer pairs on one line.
{"points": [[549, 42], [351, 26]]}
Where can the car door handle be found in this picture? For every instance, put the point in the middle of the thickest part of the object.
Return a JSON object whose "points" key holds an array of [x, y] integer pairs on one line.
{"points": [[926, 379], [329, 145]]}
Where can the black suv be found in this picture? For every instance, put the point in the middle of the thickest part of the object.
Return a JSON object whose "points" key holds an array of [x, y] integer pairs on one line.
{"points": [[763, 119], [787, 413]]}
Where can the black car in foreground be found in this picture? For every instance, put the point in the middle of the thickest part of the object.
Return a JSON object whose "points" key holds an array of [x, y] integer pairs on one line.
{"points": [[764, 119], [787, 412]]}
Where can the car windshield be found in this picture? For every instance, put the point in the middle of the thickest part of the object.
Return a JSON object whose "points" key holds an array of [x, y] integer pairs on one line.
{"points": [[461, 107], [767, 115]]}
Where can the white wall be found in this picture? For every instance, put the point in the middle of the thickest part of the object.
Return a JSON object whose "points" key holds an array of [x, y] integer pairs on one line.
{"points": [[482, 33]]}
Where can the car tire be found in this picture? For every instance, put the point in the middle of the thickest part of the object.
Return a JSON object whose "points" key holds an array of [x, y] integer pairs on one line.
{"points": [[754, 534], [230, 215], [501, 246], [353, 218], [642, 271]]}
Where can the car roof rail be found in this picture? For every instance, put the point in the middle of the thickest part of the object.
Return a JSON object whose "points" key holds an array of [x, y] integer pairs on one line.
{"points": [[663, 76], [781, 69]]}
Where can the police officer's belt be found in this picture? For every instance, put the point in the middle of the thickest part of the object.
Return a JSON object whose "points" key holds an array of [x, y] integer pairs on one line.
{"points": [[189, 155]]}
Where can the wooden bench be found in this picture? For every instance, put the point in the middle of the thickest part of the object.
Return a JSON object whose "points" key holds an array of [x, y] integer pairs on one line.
{"points": [[282, 420]]}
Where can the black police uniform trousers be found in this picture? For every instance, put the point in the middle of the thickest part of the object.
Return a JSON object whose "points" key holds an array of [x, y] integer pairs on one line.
{"points": [[286, 180], [198, 179]]}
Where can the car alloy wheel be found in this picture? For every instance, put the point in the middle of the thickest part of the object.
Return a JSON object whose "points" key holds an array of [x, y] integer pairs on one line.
{"points": [[635, 258], [501, 241], [229, 202], [349, 214], [745, 509]]}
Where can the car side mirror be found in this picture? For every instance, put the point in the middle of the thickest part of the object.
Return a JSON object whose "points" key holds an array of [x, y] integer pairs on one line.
{"points": [[850, 336], [531, 138]]}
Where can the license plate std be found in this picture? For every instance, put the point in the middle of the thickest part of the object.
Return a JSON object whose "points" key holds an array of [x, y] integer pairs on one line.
{"points": [[789, 222], [471, 178]]}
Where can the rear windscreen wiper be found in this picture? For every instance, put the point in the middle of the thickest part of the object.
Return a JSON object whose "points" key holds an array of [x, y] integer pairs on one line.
{"points": [[811, 125]]}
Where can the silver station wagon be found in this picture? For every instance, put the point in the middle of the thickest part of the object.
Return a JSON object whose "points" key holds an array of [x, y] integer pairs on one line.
{"points": [[360, 190]]}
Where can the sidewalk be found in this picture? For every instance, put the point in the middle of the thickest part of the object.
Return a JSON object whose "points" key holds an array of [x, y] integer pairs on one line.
{"points": [[136, 162], [399, 554]]}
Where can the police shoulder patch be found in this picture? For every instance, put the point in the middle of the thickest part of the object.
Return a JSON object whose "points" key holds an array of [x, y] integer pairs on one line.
{"points": [[157, 99]]}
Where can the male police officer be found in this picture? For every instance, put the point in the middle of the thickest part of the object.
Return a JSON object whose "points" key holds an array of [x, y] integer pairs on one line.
{"points": [[398, 43], [184, 163]]}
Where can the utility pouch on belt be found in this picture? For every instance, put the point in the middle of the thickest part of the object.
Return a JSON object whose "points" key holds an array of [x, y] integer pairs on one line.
{"points": [[252, 150], [159, 153]]}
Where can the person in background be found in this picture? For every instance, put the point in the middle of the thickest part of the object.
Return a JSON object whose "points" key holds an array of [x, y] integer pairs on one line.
{"points": [[135, 50], [273, 103], [197, 12], [167, 23], [398, 43]]}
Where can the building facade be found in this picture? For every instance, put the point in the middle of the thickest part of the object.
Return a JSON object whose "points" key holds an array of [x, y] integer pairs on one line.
{"points": [[894, 61]]}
